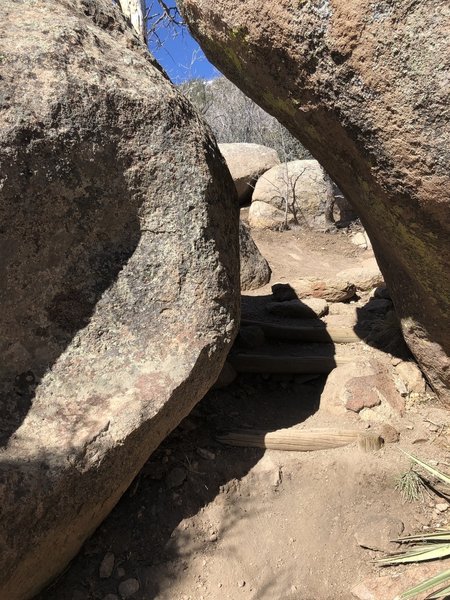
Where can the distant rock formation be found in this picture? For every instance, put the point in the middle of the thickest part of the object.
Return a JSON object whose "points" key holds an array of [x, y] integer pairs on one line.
{"points": [[294, 193], [247, 162]]}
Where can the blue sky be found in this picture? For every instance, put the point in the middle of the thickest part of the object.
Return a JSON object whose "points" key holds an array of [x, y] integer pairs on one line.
{"points": [[179, 54]]}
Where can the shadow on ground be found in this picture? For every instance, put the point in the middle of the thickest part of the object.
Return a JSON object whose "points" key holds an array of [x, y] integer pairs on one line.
{"points": [[187, 472], [146, 531]]}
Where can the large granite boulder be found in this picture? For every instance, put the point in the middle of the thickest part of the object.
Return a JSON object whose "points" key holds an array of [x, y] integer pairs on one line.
{"points": [[247, 162], [364, 86], [301, 187], [119, 273], [255, 270]]}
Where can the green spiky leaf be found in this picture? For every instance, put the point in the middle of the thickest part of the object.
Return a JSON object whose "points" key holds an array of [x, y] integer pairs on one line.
{"points": [[442, 476], [440, 535], [427, 585], [442, 593], [418, 554]]}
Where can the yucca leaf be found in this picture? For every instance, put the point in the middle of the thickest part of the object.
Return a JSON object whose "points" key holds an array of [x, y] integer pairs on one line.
{"points": [[426, 585], [442, 476], [418, 554], [438, 536], [442, 593]]}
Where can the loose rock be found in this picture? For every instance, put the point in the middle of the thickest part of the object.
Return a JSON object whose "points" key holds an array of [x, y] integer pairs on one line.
{"points": [[128, 588], [411, 376], [107, 566], [364, 278], [176, 477], [362, 387], [389, 434], [361, 239], [207, 454], [378, 532], [226, 377], [332, 290], [283, 291]]}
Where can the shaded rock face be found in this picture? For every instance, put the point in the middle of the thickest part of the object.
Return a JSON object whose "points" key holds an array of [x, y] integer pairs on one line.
{"points": [[119, 273], [247, 162], [364, 87], [255, 270]]}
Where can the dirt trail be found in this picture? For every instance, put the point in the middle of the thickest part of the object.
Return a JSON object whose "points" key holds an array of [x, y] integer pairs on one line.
{"points": [[205, 521]]}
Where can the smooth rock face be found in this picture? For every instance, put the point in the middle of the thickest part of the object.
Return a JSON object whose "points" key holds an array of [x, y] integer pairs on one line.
{"points": [[371, 105], [302, 183], [119, 273], [247, 162], [255, 270], [365, 277]]}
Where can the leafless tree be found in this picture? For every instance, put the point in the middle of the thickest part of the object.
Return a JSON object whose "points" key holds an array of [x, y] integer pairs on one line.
{"points": [[235, 118]]}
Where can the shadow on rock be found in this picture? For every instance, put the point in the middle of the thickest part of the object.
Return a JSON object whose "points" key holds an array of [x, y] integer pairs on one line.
{"points": [[63, 250]]}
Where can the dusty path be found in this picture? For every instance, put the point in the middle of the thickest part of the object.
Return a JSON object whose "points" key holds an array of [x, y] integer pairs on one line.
{"points": [[209, 522]]}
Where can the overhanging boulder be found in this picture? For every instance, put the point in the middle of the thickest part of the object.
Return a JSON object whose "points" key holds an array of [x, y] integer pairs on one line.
{"points": [[364, 87], [120, 273]]}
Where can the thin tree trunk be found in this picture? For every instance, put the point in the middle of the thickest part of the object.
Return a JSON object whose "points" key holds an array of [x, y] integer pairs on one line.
{"points": [[329, 200], [134, 10]]}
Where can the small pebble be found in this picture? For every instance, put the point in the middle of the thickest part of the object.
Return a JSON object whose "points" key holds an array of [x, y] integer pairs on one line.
{"points": [[442, 507], [106, 566], [128, 588], [241, 584], [213, 537], [175, 478], [120, 572]]}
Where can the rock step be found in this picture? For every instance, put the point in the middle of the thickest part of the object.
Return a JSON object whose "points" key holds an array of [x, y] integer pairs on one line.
{"points": [[269, 363], [315, 333]]}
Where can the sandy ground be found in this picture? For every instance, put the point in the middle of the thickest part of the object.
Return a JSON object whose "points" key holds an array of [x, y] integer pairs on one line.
{"points": [[204, 521]]}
